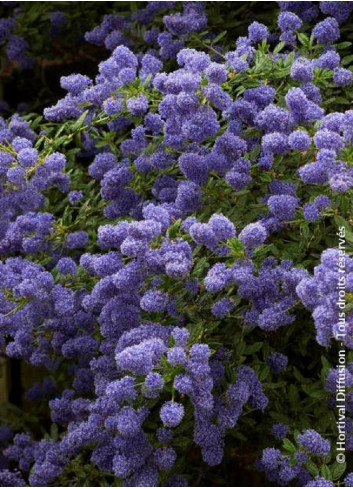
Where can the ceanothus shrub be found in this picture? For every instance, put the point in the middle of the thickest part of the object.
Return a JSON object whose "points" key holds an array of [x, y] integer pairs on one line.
{"points": [[168, 242]]}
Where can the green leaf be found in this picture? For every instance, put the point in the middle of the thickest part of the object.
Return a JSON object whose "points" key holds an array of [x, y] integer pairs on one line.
{"points": [[59, 141], [289, 446], [80, 121], [181, 442], [174, 229], [303, 39], [337, 470], [320, 394], [219, 37], [347, 60], [250, 349], [289, 59], [196, 331], [343, 45], [325, 368], [200, 265], [54, 432], [341, 222], [325, 472], [235, 247], [312, 468], [293, 396], [325, 363], [265, 371]]}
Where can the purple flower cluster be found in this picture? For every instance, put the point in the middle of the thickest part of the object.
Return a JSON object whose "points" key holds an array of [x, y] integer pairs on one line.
{"points": [[113, 420], [283, 469], [319, 294], [313, 443], [24, 176], [30, 298]]}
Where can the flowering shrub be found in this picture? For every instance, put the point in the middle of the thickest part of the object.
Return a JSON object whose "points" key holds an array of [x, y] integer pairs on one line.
{"points": [[168, 242]]}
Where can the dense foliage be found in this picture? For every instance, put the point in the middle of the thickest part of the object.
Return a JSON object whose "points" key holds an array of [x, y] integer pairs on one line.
{"points": [[169, 233]]}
